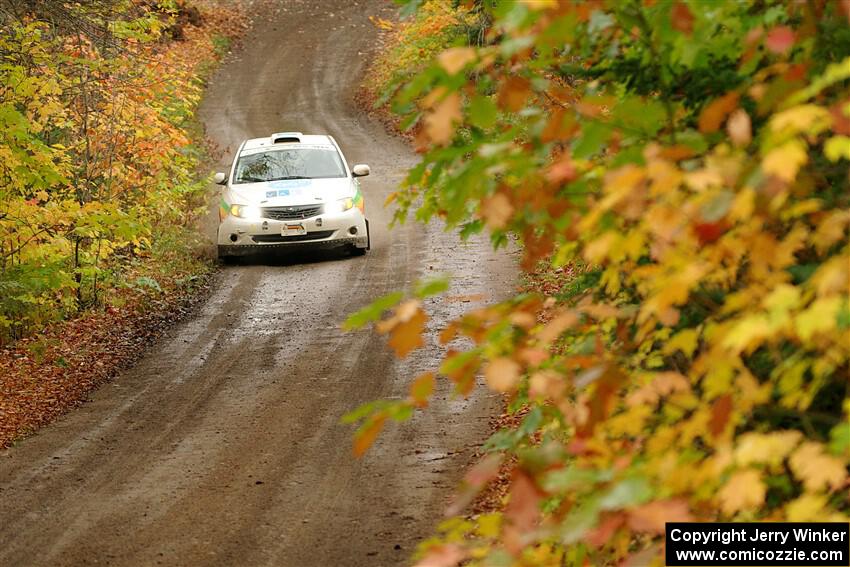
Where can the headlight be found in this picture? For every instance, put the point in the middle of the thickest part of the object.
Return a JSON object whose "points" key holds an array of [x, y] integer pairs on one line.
{"points": [[247, 212], [339, 206]]}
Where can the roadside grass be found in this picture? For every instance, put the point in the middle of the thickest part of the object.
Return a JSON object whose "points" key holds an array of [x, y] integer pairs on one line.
{"points": [[221, 44]]}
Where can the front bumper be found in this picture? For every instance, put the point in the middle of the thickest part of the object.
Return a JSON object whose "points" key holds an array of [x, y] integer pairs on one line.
{"points": [[240, 237]]}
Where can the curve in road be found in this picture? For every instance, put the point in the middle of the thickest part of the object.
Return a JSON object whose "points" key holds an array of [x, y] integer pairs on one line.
{"points": [[222, 446]]}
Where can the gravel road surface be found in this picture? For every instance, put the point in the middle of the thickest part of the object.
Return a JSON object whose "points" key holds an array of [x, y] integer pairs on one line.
{"points": [[222, 446]]}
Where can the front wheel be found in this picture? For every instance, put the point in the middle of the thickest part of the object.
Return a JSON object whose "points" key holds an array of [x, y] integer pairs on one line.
{"points": [[368, 236], [225, 258]]}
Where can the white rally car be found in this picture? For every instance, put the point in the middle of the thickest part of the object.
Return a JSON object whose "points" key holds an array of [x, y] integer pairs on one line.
{"points": [[287, 190]]}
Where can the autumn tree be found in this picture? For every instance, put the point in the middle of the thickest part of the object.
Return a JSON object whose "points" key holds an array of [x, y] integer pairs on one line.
{"points": [[94, 156], [688, 161]]}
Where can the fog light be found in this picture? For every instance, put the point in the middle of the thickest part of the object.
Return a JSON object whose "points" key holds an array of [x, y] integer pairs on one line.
{"points": [[233, 238], [352, 230]]}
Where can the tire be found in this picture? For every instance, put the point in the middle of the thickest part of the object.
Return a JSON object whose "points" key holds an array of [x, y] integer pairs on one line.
{"points": [[226, 259], [368, 236]]}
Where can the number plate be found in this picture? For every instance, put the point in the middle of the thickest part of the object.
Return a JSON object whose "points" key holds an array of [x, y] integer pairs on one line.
{"points": [[293, 230]]}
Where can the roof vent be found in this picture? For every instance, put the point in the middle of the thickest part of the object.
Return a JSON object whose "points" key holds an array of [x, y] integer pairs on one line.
{"points": [[286, 137]]}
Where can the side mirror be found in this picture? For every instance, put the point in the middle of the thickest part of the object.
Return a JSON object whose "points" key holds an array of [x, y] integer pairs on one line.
{"points": [[360, 170], [219, 178]]}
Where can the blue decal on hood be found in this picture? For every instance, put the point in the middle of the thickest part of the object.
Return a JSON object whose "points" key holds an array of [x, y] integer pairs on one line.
{"points": [[290, 183], [270, 194]]}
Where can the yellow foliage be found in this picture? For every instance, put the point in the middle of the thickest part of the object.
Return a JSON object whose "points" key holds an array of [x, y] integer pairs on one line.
{"points": [[786, 160], [695, 363], [807, 118], [745, 490], [809, 508], [765, 448], [817, 470]]}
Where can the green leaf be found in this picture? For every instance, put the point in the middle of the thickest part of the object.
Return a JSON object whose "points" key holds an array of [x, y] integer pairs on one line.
{"points": [[839, 439], [593, 136], [408, 7], [457, 361], [631, 491], [640, 116], [802, 272], [482, 112], [146, 282], [502, 440], [373, 311], [693, 140], [580, 519], [364, 410], [572, 478], [531, 422], [433, 286], [473, 227], [399, 411]]}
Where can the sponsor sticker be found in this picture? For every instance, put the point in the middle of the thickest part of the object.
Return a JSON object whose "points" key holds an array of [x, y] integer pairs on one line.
{"points": [[290, 183], [280, 193]]}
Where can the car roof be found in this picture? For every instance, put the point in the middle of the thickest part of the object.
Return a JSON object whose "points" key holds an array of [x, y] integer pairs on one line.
{"points": [[288, 139]]}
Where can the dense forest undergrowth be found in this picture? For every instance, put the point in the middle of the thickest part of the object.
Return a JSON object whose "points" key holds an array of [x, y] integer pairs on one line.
{"points": [[102, 182]]}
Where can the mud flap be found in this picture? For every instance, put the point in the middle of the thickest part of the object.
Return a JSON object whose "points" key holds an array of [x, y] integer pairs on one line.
{"points": [[368, 236]]}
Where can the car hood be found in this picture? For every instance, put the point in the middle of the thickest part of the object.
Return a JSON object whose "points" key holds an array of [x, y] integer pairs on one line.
{"points": [[287, 192]]}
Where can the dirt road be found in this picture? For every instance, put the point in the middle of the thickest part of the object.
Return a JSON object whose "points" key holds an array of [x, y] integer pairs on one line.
{"points": [[222, 445]]}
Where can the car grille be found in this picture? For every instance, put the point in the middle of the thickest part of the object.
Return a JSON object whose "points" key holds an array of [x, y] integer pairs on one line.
{"points": [[270, 238], [297, 212]]}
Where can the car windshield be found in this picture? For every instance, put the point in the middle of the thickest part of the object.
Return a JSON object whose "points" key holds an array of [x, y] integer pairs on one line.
{"points": [[290, 163]]}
